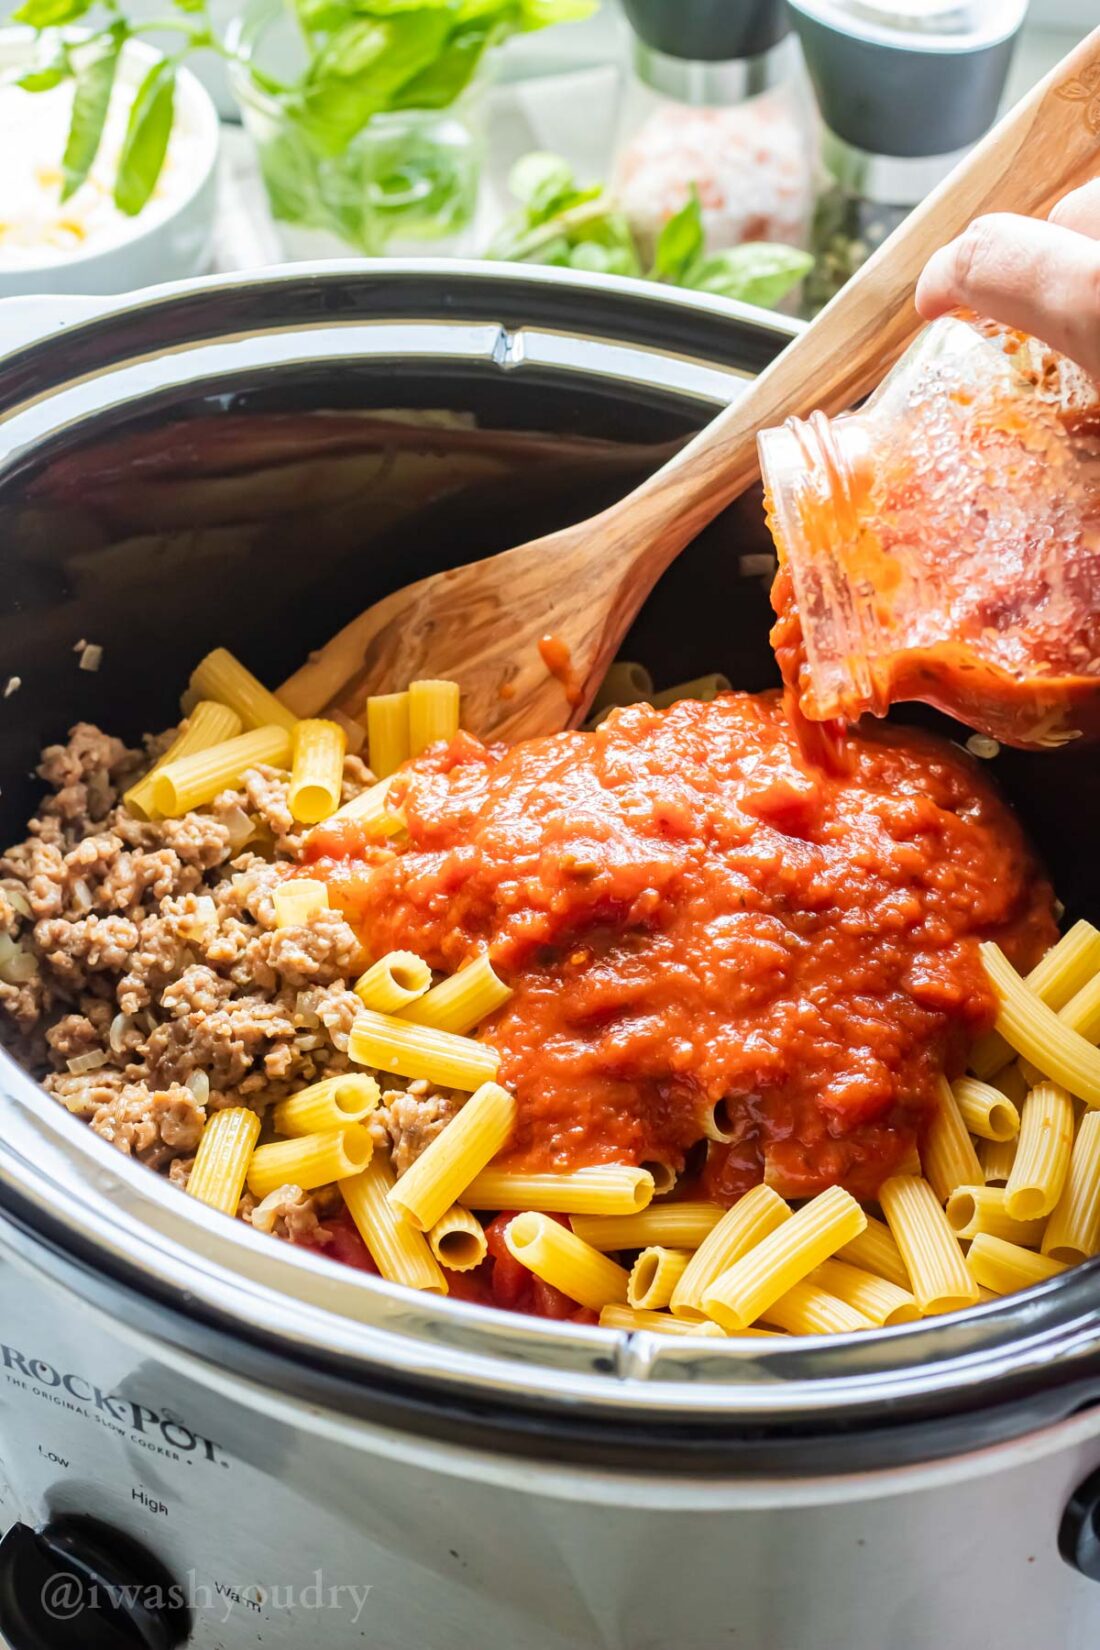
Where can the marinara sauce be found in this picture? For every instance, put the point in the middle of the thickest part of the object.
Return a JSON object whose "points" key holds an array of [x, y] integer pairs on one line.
{"points": [[703, 931]]}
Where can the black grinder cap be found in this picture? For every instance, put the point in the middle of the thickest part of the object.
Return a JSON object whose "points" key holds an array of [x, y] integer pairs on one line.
{"points": [[889, 91], [709, 31]]}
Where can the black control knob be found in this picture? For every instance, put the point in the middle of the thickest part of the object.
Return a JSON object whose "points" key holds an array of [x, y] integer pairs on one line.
{"points": [[77, 1584], [1079, 1536]]}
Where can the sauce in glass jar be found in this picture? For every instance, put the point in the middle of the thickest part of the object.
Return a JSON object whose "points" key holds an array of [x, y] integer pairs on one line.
{"points": [[943, 543]]}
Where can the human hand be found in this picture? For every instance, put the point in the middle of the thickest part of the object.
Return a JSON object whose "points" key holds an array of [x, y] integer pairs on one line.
{"points": [[1042, 277]]}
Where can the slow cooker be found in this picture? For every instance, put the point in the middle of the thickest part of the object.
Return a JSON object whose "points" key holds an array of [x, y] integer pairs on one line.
{"points": [[213, 1439]]}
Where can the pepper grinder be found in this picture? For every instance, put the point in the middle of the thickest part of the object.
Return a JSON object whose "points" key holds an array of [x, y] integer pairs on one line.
{"points": [[905, 88], [716, 99]]}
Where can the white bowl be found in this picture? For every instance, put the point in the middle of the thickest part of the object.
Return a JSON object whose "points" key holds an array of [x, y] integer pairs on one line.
{"points": [[172, 238]]}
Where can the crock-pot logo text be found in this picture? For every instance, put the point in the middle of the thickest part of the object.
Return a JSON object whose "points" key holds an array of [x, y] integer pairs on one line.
{"points": [[163, 1432]]}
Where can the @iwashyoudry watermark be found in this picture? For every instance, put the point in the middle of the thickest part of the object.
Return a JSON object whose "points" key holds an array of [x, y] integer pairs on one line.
{"points": [[66, 1596]]}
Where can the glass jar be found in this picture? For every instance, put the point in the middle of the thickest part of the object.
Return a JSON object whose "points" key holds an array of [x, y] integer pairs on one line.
{"points": [[943, 543], [737, 123], [403, 178]]}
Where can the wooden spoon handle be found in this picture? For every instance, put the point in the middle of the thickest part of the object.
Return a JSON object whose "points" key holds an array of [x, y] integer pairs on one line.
{"points": [[1047, 144]]}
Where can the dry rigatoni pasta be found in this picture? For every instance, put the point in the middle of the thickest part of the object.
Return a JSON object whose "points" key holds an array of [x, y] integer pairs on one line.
{"points": [[656, 1323], [626, 683], [393, 982], [683, 1225], [1056, 977], [948, 1157], [875, 1250], [654, 1276], [298, 900], [333, 1103], [974, 1209], [561, 1259], [1003, 1267], [1073, 1230], [400, 1252], [705, 688], [221, 1162], [807, 1308], [407, 1050], [605, 1189], [371, 811], [457, 1240], [309, 1160], [997, 1158], [387, 732], [1081, 1014], [745, 1290], [222, 677], [751, 1219], [1043, 1150], [1037, 1033], [448, 1164], [433, 713], [879, 1300], [191, 781], [985, 1110], [933, 1259], [316, 769], [208, 724], [663, 1175], [460, 1003], [1012, 1083]]}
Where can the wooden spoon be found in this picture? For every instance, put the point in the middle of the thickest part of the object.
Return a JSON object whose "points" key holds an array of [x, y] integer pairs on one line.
{"points": [[482, 624]]}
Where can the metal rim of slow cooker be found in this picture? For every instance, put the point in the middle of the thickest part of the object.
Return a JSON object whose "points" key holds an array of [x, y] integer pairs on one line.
{"points": [[992, 1373]]}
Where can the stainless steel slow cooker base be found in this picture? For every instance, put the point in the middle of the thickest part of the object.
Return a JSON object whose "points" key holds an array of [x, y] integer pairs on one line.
{"points": [[194, 468], [285, 1527]]}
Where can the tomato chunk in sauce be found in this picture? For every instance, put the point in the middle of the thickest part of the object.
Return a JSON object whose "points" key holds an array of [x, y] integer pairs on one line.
{"points": [[691, 915]]}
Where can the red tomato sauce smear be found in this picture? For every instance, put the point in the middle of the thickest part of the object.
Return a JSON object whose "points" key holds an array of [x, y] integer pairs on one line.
{"points": [[692, 916]]}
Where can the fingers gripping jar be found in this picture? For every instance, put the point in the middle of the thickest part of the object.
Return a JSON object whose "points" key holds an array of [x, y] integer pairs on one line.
{"points": [[943, 543]]}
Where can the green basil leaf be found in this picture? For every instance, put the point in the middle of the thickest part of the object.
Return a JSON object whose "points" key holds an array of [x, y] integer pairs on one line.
{"points": [[484, 11], [437, 86], [680, 242], [189, 5], [555, 252], [95, 79], [382, 54], [317, 16], [48, 14], [603, 260], [52, 64], [47, 77], [394, 8], [758, 272], [360, 70], [540, 178], [350, 51], [541, 14], [146, 142]]}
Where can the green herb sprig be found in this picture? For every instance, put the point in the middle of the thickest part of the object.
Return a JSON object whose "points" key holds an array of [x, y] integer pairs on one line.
{"points": [[362, 57], [582, 227]]}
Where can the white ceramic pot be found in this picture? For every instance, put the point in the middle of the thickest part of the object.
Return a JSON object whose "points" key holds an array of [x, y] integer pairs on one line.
{"points": [[171, 239]]}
